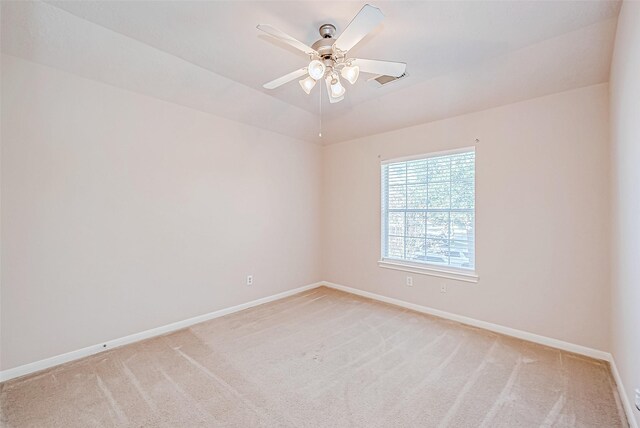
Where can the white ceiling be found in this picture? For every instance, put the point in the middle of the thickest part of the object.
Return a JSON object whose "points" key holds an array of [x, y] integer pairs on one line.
{"points": [[461, 56]]}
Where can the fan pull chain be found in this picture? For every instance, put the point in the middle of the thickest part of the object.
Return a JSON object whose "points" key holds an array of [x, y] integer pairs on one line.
{"points": [[320, 115]]}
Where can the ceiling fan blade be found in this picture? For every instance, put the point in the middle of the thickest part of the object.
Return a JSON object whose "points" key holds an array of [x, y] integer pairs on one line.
{"points": [[364, 22], [284, 37], [388, 68], [285, 79]]}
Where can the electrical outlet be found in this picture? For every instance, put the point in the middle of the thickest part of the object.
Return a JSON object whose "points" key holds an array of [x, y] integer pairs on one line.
{"points": [[638, 398], [409, 281], [249, 279], [443, 288]]}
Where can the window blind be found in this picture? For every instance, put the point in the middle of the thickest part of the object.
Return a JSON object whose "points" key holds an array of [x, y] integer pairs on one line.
{"points": [[428, 210]]}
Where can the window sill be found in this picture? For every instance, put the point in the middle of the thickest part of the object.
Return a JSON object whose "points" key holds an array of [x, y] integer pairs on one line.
{"points": [[469, 276]]}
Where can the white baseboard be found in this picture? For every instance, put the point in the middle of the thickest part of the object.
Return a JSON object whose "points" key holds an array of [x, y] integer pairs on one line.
{"points": [[626, 404], [531, 337], [90, 350]]}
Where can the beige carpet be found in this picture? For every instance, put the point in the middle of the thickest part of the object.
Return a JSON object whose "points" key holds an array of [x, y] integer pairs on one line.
{"points": [[321, 359]]}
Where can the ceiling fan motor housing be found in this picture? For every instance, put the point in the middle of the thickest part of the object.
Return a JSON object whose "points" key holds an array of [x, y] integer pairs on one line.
{"points": [[324, 45], [327, 31]]}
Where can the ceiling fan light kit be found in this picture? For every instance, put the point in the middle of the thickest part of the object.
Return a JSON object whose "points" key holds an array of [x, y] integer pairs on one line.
{"points": [[316, 69], [351, 73], [308, 84], [337, 90], [329, 58], [332, 99]]}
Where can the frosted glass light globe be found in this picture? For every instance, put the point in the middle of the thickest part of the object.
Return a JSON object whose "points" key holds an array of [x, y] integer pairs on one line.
{"points": [[351, 73], [316, 69], [337, 90], [308, 84]]}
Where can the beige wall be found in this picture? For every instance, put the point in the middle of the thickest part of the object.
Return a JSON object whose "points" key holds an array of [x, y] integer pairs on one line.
{"points": [[122, 213], [542, 215], [625, 137]]}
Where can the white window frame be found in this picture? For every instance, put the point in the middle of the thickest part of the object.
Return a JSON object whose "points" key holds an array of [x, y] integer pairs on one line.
{"points": [[425, 268]]}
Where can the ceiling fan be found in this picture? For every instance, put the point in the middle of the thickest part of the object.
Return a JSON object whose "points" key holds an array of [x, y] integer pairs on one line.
{"points": [[329, 56]]}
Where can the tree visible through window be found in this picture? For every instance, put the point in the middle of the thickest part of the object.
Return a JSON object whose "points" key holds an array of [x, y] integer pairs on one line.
{"points": [[428, 210]]}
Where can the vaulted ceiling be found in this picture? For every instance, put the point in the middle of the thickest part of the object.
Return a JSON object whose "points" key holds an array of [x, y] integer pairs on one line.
{"points": [[461, 56]]}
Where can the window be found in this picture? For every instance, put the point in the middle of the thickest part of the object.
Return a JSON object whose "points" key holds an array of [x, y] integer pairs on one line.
{"points": [[428, 211]]}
